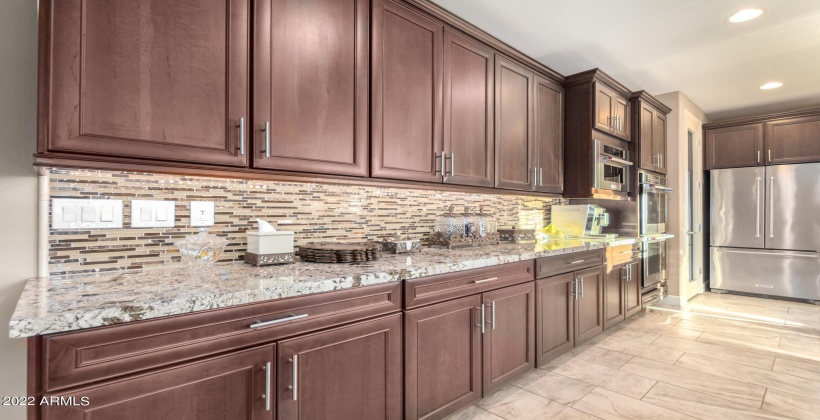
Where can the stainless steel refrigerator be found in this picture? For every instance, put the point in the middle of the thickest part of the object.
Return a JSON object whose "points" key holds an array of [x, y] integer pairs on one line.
{"points": [[765, 230]]}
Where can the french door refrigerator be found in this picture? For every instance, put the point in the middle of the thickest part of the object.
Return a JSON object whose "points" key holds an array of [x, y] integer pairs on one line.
{"points": [[765, 230]]}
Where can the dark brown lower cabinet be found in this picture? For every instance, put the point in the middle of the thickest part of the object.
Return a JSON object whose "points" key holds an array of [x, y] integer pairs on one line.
{"points": [[555, 316], [622, 293], [442, 351], [347, 373], [459, 350], [569, 311], [225, 387], [509, 335], [589, 319]]}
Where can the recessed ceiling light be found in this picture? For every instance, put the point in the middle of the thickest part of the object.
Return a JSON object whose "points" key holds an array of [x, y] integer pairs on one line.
{"points": [[745, 15], [771, 85]]}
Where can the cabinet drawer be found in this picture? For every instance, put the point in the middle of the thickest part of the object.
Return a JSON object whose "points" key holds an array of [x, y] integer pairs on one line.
{"points": [[550, 266], [621, 254], [80, 357], [434, 289]]}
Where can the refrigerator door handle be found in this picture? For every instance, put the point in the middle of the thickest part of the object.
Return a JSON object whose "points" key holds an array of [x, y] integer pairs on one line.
{"points": [[759, 204], [771, 208]]}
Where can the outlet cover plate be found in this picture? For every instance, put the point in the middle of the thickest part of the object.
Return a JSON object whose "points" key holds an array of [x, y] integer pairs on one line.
{"points": [[85, 213], [152, 213], [202, 213]]}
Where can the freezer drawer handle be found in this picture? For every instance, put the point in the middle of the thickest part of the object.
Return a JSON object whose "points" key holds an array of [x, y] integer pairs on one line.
{"points": [[806, 255]]}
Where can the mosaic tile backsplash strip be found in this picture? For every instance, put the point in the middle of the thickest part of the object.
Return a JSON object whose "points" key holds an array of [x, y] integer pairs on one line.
{"points": [[314, 212]]}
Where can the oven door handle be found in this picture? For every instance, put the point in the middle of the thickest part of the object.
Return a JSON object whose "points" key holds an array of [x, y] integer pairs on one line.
{"points": [[616, 159], [655, 188]]}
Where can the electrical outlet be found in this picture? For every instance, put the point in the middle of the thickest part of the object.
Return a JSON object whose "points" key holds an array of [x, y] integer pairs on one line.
{"points": [[202, 213]]}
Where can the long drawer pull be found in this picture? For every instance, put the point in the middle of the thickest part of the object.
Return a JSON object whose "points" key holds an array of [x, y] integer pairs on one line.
{"points": [[485, 280], [574, 262], [267, 385], [277, 321]]}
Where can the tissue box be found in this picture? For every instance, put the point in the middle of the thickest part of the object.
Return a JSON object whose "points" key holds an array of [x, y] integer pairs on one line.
{"points": [[269, 248]]}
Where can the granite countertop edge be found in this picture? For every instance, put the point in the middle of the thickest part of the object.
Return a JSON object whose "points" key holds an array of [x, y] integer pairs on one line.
{"points": [[50, 305]]}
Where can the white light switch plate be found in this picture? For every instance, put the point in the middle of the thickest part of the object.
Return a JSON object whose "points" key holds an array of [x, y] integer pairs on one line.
{"points": [[78, 213], [202, 213], [151, 213]]}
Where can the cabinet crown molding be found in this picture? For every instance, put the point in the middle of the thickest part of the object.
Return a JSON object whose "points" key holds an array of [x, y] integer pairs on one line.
{"points": [[597, 74], [762, 118], [644, 96]]}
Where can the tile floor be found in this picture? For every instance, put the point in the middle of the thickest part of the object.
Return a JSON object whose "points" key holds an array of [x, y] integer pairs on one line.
{"points": [[728, 357]]}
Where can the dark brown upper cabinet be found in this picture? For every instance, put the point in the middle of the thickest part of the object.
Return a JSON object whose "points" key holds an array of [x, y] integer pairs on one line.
{"points": [[549, 135], [406, 82], [469, 149], [514, 128], [611, 111], [597, 111], [734, 146], [650, 132], [311, 80], [169, 86], [793, 140]]}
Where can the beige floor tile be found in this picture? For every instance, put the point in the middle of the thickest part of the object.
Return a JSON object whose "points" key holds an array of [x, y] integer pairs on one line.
{"points": [[742, 357], [792, 405], [762, 326], [729, 389], [809, 318], [804, 310], [732, 344], [703, 405], [634, 348], [557, 362], [602, 356], [795, 368], [610, 405], [719, 328], [754, 339], [513, 403], [629, 384], [767, 378], [633, 334], [551, 385], [474, 413]]}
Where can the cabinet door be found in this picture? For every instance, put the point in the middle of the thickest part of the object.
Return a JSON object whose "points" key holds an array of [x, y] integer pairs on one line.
{"points": [[793, 140], [406, 94], [225, 387], [659, 141], [588, 313], [468, 112], [632, 289], [514, 166], [604, 105], [346, 373], [734, 147], [646, 131], [442, 350], [311, 86], [620, 117], [509, 337], [555, 317], [549, 135], [614, 295], [148, 79]]}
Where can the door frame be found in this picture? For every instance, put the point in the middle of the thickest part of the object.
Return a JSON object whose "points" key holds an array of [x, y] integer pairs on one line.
{"points": [[693, 209]]}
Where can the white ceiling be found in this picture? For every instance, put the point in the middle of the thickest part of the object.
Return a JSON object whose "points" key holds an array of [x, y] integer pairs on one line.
{"points": [[670, 45]]}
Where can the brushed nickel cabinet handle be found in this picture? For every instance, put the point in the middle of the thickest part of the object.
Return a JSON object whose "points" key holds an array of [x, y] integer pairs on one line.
{"points": [[534, 176], [482, 318], [758, 156], [540, 177], [485, 280], [770, 155], [574, 262], [452, 164], [242, 136], [267, 385], [581, 279], [294, 372], [492, 314], [267, 139], [277, 321]]}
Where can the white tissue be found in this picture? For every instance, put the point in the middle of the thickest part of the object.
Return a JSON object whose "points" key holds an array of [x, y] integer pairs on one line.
{"points": [[265, 227]]}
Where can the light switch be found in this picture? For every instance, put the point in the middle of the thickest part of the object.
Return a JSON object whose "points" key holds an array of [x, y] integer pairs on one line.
{"points": [[106, 214], [145, 214], [70, 214], [152, 213], [83, 213], [89, 214]]}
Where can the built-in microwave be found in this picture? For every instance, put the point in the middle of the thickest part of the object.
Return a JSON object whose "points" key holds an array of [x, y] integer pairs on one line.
{"points": [[612, 167]]}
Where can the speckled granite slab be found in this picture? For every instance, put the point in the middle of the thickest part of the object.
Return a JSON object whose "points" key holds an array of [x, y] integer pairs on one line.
{"points": [[65, 303]]}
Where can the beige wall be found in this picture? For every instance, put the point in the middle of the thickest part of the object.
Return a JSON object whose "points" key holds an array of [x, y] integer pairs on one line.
{"points": [[677, 151], [18, 182]]}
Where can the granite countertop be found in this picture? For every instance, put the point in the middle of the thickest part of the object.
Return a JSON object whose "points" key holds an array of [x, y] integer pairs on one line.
{"points": [[65, 303]]}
